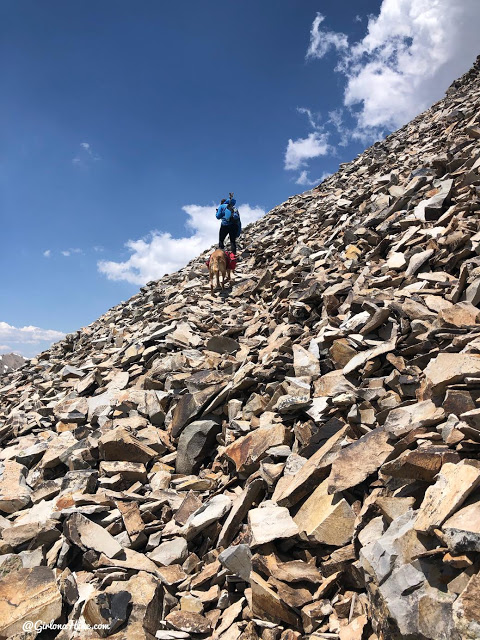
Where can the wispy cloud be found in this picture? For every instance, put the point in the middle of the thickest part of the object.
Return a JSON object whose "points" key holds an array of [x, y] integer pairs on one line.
{"points": [[304, 180], [313, 118], [322, 40], [4, 348], [85, 155], [47, 253], [160, 253], [68, 252]]}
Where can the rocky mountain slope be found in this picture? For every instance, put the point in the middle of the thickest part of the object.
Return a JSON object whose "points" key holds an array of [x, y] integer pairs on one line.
{"points": [[10, 362], [297, 458]]}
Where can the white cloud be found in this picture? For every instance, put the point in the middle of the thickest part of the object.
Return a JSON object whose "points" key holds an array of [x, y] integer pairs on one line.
{"points": [[304, 180], [85, 156], [299, 152], [160, 253], [303, 149], [28, 335], [322, 40], [410, 54], [4, 348], [47, 253], [68, 252]]}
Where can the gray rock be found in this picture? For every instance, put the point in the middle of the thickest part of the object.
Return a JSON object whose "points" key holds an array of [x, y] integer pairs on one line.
{"points": [[222, 344], [170, 552], [195, 443], [396, 547], [211, 511], [238, 560]]}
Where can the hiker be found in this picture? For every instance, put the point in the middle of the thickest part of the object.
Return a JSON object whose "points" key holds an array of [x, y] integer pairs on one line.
{"points": [[228, 225]]}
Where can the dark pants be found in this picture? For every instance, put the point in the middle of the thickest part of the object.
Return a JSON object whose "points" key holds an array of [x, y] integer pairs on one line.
{"points": [[228, 230]]}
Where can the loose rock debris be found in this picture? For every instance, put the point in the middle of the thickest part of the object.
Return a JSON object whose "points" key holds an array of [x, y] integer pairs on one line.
{"points": [[299, 458]]}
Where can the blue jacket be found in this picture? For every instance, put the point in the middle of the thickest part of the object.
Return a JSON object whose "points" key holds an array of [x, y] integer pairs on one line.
{"points": [[224, 214]]}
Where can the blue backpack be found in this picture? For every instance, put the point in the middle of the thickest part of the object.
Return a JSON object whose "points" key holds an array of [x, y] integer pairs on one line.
{"points": [[238, 222]]}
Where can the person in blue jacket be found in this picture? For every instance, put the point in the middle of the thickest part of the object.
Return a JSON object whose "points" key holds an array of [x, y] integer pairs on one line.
{"points": [[228, 226]]}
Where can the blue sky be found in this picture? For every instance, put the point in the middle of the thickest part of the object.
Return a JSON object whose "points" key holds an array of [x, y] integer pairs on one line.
{"points": [[124, 123]]}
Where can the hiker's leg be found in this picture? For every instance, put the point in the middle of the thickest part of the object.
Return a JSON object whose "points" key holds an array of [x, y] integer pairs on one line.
{"points": [[231, 233], [221, 237]]}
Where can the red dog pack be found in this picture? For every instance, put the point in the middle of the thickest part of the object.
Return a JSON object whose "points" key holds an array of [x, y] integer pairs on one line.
{"points": [[231, 261]]}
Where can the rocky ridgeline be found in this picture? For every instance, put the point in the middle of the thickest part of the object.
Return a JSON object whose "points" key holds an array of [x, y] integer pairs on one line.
{"points": [[296, 458]]}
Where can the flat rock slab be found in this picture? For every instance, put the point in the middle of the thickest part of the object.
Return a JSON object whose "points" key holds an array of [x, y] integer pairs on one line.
{"points": [[14, 492], [455, 482], [88, 535], [268, 605], [238, 560], [449, 368], [170, 552], [458, 315], [247, 451], [332, 384], [466, 610], [295, 487], [119, 444], [107, 609], [28, 595], [240, 508], [357, 461], [328, 519], [462, 530], [188, 622], [361, 358], [421, 414], [396, 547], [269, 523], [222, 344], [210, 512], [421, 464]]}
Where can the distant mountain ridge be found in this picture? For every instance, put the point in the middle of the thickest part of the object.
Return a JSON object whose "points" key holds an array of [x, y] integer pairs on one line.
{"points": [[10, 362]]}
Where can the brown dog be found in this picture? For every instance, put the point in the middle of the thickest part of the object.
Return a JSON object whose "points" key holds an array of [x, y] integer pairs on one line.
{"points": [[217, 266]]}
